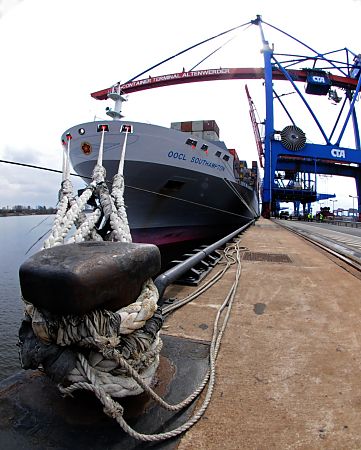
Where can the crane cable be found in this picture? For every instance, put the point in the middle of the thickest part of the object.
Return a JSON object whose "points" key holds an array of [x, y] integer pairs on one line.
{"points": [[186, 50]]}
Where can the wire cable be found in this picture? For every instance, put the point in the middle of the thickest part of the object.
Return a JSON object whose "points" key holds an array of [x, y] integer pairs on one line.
{"points": [[186, 50]]}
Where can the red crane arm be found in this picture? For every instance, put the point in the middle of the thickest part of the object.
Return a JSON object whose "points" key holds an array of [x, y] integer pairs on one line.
{"points": [[255, 126], [218, 74]]}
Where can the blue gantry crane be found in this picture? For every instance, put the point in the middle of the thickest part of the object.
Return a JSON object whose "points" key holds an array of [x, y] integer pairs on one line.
{"points": [[291, 161]]}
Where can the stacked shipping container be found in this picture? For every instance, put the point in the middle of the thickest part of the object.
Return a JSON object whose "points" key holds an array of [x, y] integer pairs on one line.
{"points": [[209, 130], [202, 129], [249, 176]]}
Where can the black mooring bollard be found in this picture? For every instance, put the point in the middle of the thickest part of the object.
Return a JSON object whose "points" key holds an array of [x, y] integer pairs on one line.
{"points": [[78, 278]]}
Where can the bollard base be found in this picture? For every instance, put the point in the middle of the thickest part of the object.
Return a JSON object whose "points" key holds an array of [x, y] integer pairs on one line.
{"points": [[34, 415]]}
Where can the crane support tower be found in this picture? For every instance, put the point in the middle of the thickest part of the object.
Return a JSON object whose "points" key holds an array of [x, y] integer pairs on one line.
{"points": [[287, 152], [297, 149]]}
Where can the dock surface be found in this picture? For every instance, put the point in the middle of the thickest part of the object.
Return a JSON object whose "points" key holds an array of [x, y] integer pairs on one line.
{"points": [[288, 371]]}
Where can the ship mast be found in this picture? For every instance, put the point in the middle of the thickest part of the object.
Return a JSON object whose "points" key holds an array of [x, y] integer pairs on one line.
{"points": [[117, 97]]}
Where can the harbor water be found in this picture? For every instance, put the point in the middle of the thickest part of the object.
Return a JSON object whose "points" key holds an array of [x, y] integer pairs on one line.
{"points": [[17, 235]]}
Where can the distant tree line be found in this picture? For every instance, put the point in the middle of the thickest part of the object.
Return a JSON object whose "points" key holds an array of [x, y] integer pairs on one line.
{"points": [[20, 210]]}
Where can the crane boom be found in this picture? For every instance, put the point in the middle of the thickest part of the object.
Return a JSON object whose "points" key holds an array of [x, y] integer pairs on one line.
{"points": [[342, 82]]}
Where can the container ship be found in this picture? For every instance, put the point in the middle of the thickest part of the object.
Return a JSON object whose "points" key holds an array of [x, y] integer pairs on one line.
{"points": [[182, 183]]}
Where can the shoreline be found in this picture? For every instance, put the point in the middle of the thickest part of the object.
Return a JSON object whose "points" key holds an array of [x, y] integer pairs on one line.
{"points": [[32, 213]]}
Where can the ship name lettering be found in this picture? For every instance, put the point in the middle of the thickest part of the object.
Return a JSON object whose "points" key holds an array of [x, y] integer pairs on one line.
{"points": [[205, 162], [177, 155]]}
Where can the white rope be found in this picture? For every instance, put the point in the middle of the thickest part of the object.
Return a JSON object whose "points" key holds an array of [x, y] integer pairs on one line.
{"points": [[136, 314], [95, 374], [67, 164], [122, 155], [118, 218], [62, 227], [87, 229], [229, 261], [101, 148], [115, 410], [215, 345], [115, 339], [112, 207], [118, 386], [132, 318], [94, 325], [123, 360], [99, 173]]}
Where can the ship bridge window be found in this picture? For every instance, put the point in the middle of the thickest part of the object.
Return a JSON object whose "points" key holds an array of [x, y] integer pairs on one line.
{"points": [[81, 131], [218, 154], [192, 142], [226, 157], [204, 147]]}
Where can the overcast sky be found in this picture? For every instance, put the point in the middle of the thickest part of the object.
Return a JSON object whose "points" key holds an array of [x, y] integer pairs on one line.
{"points": [[55, 53]]}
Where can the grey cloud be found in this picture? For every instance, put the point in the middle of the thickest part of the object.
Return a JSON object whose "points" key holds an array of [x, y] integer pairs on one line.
{"points": [[26, 186], [21, 155]]}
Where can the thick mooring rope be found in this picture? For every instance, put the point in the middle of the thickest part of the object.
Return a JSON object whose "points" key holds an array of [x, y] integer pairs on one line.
{"points": [[117, 354], [95, 373], [110, 207], [69, 330], [125, 332], [115, 410]]}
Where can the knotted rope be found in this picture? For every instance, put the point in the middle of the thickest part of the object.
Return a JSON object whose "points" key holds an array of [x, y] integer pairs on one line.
{"points": [[102, 337], [116, 354], [115, 410], [125, 332]]}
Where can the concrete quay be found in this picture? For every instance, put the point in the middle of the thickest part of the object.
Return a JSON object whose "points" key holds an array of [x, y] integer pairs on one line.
{"points": [[288, 373]]}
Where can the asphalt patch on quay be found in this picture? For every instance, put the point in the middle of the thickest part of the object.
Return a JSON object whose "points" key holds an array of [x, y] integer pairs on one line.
{"points": [[34, 415]]}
